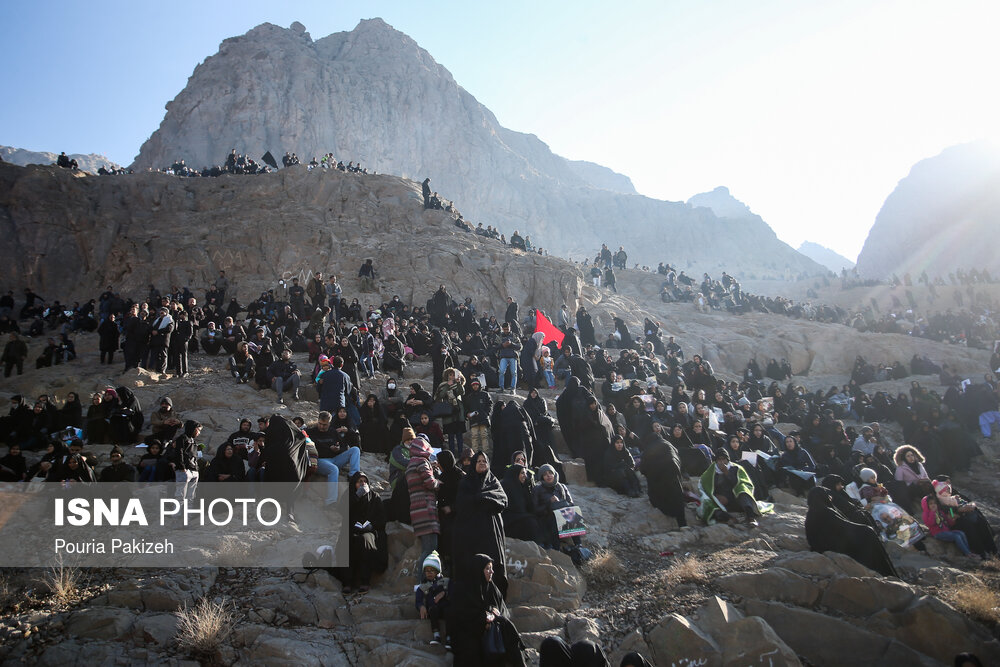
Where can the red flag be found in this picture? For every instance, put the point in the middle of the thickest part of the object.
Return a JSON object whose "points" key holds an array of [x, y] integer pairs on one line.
{"points": [[551, 332]]}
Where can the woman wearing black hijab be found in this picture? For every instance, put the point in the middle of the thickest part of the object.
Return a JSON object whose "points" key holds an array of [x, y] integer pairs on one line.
{"points": [[564, 413], [478, 523], [74, 470], [374, 428], [594, 434], [661, 465], [369, 545], [849, 507], [828, 530], [476, 607], [13, 466], [555, 652], [619, 469], [47, 468], [450, 477], [285, 457], [71, 413], [519, 520], [227, 466], [538, 411], [514, 432]]}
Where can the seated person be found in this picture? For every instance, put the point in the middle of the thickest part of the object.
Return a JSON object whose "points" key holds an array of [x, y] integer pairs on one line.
{"points": [[118, 471], [241, 363], [227, 466], [13, 466], [164, 422], [519, 519], [547, 496], [726, 488], [432, 598], [334, 453], [153, 466]]}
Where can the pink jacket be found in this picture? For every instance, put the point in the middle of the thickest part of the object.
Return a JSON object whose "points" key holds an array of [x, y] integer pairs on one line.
{"points": [[935, 521], [904, 473]]}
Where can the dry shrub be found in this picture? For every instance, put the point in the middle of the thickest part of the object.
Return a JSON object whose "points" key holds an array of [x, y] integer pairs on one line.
{"points": [[204, 628], [604, 567], [978, 601], [63, 582], [687, 570], [6, 592]]}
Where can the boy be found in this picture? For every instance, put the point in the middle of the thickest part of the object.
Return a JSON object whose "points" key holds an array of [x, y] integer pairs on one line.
{"points": [[432, 597]]}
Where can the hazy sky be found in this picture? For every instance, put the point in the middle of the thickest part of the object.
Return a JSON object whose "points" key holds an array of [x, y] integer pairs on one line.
{"points": [[809, 112]]}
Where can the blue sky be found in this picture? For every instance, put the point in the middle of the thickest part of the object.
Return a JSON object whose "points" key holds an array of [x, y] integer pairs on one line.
{"points": [[809, 112]]}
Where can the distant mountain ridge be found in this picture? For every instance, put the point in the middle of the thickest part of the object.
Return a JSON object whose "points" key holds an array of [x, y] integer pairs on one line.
{"points": [[372, 95], [23, 157], [942, 216], [823, 255]]}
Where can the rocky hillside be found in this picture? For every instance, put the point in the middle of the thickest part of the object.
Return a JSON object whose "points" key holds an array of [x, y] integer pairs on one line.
{"points": [[938, 216], [69, 235], [373, 95], [823, 255], [89, 163]]}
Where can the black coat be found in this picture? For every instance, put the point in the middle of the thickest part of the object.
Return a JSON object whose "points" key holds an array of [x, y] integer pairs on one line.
{"points": [[661, 465], [828, 530], [109, 335], [478, 524], [514, 432], [472, 598], [285, 456]]}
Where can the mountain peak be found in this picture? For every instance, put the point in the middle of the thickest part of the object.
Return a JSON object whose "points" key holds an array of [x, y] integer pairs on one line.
{"points": [[722, 203]]}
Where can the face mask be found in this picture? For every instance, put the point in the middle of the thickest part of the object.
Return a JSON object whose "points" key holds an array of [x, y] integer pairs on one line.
{"points": [[391, 385], [362, 490]]}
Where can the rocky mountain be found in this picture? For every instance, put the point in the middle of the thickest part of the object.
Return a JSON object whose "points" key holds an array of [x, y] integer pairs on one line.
{"points": [[601, 177], [938, 216], [68, 235], [823, 255], [20, 156], [373, 95], [722, 204]]}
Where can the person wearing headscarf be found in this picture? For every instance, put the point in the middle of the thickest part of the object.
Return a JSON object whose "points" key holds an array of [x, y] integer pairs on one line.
{"points": [[75, 469], [538, 411], [661, 465], [13, 465], [756, 471], [726, 488], [828, 530], [422, 485], [845, 504], [941, 526], [514, 432], [894, 522], [634, 659], [795, 459], [619, 469], [450, 477], [71, 413], [556, 652], [476, 607], [227, 466], [286, 457], [968, 518], [549, 495], [594, 434], [519, 520], [565, 413], [478, 522], [49, 464], [374, 428], [368, 541]]}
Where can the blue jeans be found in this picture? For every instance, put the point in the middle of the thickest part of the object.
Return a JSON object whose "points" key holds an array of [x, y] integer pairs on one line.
{"points": [[956, 536], [564, 374], [368, 363], [550, 378], [512, 365], [331, 468]]}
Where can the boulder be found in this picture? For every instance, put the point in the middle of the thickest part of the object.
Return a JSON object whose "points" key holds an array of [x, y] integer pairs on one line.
{"points": [[863, 596], [751, 641], [937, 629], [715, 616], [156, 629], [825, 640], [100, 623], [772, 584], [579, 629], [676, 639], [537, 619]]}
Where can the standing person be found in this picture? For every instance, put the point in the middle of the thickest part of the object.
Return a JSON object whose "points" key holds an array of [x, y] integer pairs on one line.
{"points": [[110, 338], [510, 316], [422, 485], [285, 458], [425, 189], [510, 345], [297, 299], [609, 279], [478, 522], [182, 456], [477, 611], [478, 410], [183, 333], [136, 330], [159, 340], [451, 391], [316, 291], [14, 354], [222, 286]]}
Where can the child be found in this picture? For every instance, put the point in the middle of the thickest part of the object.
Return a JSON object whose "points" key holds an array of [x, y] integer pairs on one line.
{"points": [[152, 465], [940, 526], [432, 597], [548, 367]]}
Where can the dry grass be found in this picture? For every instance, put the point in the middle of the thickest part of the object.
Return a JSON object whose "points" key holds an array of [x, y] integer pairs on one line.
{"points": [[63, 582], [604, 568], [6, 592], [205, 627], [687, 570], [978, 601]]}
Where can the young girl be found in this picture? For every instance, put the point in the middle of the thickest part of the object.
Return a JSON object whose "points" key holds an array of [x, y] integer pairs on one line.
{"points": [[940, 526], [548, 367]]}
